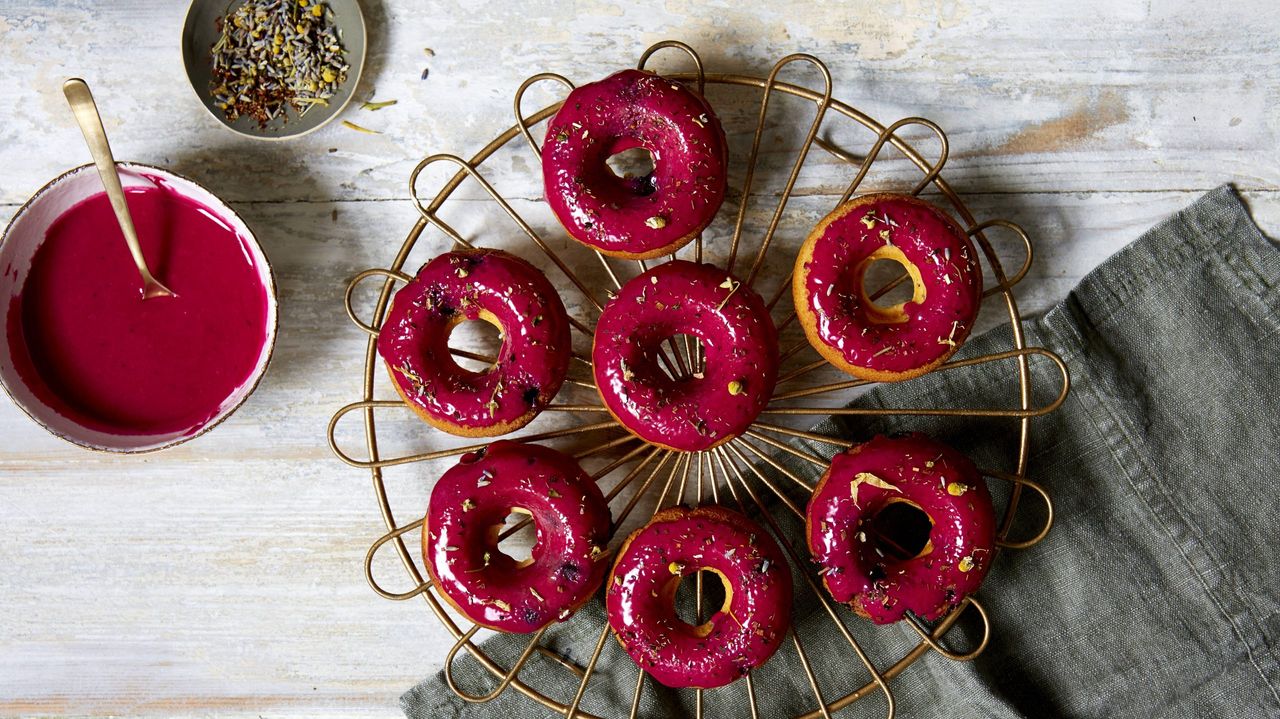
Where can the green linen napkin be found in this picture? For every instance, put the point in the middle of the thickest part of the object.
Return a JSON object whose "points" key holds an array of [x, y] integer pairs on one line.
{"points": [[1155, 593]]}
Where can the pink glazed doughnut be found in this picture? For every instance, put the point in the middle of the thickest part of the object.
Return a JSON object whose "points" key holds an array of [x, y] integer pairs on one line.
{"points": [[742, 635], [741, 349], [645, 217], [887, 344], [503, 290], [460, 536], [928, 475]]}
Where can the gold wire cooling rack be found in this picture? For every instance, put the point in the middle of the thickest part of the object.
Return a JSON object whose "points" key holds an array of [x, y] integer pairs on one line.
{"points": [[752, 456]]}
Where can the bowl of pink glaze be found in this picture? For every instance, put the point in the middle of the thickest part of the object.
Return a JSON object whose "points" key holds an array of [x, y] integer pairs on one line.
{"points": [[91, 361]]}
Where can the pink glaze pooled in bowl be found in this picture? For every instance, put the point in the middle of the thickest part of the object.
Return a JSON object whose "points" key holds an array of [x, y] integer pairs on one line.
{"points": [[93, 362]]}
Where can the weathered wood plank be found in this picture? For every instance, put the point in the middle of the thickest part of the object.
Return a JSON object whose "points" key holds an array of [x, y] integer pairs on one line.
{"points": [[1036, 96]]}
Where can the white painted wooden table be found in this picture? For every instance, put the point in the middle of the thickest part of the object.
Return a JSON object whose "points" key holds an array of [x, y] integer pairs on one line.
{"points": [[224, 577]]}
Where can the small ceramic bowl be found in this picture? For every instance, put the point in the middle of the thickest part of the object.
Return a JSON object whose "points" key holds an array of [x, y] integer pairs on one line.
{"points": [[200, 32], [18, 245]]}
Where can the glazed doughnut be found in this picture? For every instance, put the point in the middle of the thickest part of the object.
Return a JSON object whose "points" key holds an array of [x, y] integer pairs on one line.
{"points": [[739, 341], [460, 536], [740, 636], [503, 290], [887, 344], [630, 217], [933, 478]]}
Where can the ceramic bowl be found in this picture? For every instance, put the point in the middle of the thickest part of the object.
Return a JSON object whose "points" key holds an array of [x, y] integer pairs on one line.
{"points": [[18, 245], [200, 32]]}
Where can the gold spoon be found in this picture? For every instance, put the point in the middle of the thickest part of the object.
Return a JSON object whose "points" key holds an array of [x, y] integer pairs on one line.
{"points": [[95, 135]]}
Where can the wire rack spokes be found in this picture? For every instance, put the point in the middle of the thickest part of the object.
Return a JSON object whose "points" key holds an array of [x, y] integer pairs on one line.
{"points": [[750, 472]]}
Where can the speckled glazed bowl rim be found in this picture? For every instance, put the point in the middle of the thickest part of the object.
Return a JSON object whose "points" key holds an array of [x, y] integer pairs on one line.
{"points": [[267, 275], [357, 66]]}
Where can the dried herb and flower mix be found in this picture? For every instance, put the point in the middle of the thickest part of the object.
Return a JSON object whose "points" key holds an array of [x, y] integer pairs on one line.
{"points": [[276, 54]]}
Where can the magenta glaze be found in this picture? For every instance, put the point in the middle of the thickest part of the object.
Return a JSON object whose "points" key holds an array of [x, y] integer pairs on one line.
{"points": [[635, 217], [90, 347], [489, 285], [741, 636], [741, 346], [832, 265], [468, 506], [938, 480]]}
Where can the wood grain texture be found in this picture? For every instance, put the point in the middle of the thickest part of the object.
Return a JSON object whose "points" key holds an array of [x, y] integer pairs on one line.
{"points": [[224, 577]]}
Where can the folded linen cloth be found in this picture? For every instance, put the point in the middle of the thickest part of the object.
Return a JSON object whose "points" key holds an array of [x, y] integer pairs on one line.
{"points": [[1154, 595]]}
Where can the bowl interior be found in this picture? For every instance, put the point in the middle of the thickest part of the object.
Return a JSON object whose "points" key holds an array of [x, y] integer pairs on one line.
{"points": [[199, 33], [18, 246]]}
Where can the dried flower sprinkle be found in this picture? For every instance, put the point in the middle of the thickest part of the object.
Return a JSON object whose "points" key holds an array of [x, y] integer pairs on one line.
{"points": [[359, 128], [273, 55]]}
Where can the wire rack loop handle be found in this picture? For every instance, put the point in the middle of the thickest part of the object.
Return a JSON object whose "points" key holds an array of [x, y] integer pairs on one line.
{"points": [[944, 151], [347, 299], [371, 404], [1020, 355], [1028, 253], [465, 169], [928, 637], [507, 678], [470, 170], [465, 639], [801, 156], [824, 102], [519, 99], [373, 551], [1044, 496], [677, 45]]}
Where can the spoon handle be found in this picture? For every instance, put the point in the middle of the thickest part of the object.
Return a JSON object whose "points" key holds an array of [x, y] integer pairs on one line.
{"points": [[86, 112]]}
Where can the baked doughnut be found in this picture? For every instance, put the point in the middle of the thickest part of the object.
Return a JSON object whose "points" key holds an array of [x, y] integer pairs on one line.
{"points": [[740, 345], [738, 637], [503, 290], [635, 217], [927, 475], [887, 344], [460, 536]]}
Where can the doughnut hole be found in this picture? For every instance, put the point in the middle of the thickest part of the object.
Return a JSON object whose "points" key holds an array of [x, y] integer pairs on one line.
{"points": [[887, 281], [517, 544], [900, 530], [716, 597], [681, 352], [633, 167], [474, 344]]}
